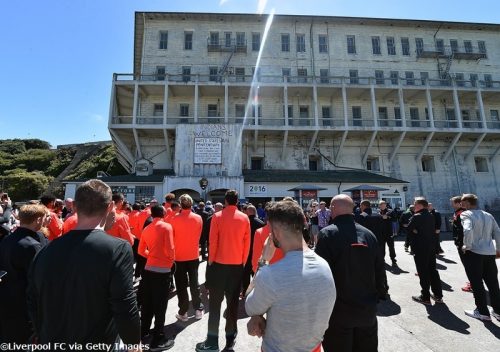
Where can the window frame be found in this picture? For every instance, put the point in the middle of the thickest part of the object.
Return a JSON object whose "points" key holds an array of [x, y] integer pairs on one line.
{"points": [[190, 42], [405, 46], [351, 44], [323, 47], [300, 42], [163, 41], [285, 45], [391, 46], [376, 47]]}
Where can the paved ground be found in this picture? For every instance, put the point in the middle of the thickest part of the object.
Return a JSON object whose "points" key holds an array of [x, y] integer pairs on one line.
{"points": [[403, 325]]}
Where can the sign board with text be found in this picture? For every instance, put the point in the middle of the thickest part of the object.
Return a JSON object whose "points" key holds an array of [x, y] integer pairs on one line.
{"points": [[257, 190], [207, 151]]}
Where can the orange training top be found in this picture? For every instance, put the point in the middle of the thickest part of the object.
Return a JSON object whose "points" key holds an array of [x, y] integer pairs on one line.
{"points": [[70, 223], [121, 229], [259, 239], [229, 237], [134, 222], [187, 231], [55, 226], [157, 244]]}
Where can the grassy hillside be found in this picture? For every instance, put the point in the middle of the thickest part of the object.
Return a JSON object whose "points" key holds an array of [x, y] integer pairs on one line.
{"points": [[28, 166]]}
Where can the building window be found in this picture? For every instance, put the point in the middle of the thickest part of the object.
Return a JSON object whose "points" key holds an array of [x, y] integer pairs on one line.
{"points": [[186, 73], [405, 46], [302, 73], [356, 116], [323, 43], [255, 41], [304, 112], [286, 72], [301, 43], [415, 117], [313, 164], [158, 110], [494, 115], [212, 110], [163, 39], [144, 193], [482, 46], [410, 78], [473, 79], [488, 81], [239, 72], [424, 77], [481, 164], [323, 74], [376, 45], [379, 77], [353, 76], [259, 110], [382, 116], [468, 46], [214, 39], [184, 110], [351, 44], [256, 73], [227, 39], [373, 163], [290, 111], [285, 42], [239, 110], [459, 79], [326, 112], [419, 43], [214, 72], [454, 46], [391, 47], [397, 116], [428, 164], [256, 164], [188, 40], [160, 73], [394, 77], [240, 39], [440, 46]]}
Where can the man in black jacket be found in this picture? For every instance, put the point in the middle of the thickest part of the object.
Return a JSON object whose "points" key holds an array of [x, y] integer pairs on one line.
{"points": [[16, 253], [80, 285], [387, 220], [352, 252], [422, 226], [200, 210], [404, 220]]}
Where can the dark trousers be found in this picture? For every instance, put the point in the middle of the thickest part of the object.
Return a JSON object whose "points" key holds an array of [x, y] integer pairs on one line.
{"points": [[438, 243], [247, 274], [203, 246], [390, 244], [154, 295], [186, 275], [425, 261], [224, 281], [381, 249], [139, 265], [340, 338], [408, 238], [15, 329], [481, 268]]}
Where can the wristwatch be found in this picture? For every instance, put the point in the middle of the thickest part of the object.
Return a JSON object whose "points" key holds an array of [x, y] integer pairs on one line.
{"points": [[262, 263]]}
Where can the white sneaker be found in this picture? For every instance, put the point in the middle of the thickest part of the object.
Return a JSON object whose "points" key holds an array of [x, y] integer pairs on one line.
{"points": [[494, 315], [183, 317], [198, 314], [475, 314]]}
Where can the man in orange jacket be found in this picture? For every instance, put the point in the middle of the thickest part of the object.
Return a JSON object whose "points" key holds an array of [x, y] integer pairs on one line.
{"points": [[187, 231], [55, 225], [157, 245], [229, 247], [120, 228]]}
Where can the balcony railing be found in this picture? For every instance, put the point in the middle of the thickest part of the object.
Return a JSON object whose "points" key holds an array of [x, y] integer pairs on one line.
{"points": [[458, 52], [226, 45]]}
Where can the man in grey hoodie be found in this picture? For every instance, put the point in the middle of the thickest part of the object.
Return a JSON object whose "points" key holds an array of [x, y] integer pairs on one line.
{"points": [[480, 229]]}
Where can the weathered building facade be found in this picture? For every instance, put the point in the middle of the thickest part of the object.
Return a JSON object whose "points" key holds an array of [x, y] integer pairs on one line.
{"points": [[217, 96]]}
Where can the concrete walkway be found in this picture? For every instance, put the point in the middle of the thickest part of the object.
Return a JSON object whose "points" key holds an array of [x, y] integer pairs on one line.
{"points": [[403, 324]]}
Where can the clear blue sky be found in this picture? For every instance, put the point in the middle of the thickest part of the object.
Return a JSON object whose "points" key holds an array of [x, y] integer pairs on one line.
{"points": [[58, 56]]}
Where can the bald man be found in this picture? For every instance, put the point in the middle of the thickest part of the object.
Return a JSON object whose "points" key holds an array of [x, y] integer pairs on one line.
{"points": [[352, 252]]}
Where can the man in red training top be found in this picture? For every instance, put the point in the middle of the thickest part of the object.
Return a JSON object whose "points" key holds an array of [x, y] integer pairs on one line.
{"points": [[120, 228], [169, 198], [228, 252], [157, 246], [70, 223], [55, 224], [187, 231]]}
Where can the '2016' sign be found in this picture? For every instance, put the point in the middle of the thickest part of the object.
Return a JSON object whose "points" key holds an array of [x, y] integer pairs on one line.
{"points": [[257, 190]]}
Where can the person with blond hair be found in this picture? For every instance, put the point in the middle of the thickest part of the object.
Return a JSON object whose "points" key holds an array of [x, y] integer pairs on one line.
{"points": [[16, 253], [187, 228]]}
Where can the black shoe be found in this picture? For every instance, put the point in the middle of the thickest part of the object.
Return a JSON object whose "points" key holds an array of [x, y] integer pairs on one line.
{"points": [[204, 346], [420, 299], [161, 343]]}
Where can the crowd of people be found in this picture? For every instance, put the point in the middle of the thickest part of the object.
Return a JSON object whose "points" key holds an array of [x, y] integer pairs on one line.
{"points": [[97, 269]]}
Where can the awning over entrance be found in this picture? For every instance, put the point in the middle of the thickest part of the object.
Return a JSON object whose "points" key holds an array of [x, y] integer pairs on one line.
{"points": [[307, 188], [366, 188]]}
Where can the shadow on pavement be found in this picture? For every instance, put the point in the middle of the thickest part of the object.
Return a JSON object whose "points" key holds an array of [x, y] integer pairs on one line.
{"points": [[395, 269], [441, 266], [446, 287], [177, 327], [441, 315], [446, 260], [494, 329], [388, 308]]}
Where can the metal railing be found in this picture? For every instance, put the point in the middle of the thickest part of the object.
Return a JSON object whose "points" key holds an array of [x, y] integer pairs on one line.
{"points": [[458, 52], [226, 45]]}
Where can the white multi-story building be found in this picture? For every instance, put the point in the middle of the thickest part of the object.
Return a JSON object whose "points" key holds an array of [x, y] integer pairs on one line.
{"points": [[335, 103]]}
